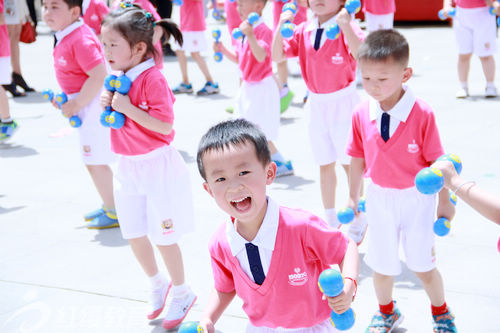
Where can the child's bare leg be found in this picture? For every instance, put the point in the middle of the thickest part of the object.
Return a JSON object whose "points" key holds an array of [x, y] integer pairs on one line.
{"points": [[4, 104], [488, 64], [172, 257], [383, 287], [144, 254], [328, 181], [181, 57], [102, 176], [433, 285], [463, 67], [203, 65], [282, 70]]}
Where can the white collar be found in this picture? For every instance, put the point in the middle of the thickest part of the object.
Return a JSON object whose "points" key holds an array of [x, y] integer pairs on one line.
{"points": [[69, 29], [85, 6], [258, 22], [266, 236], [400, 111], [137, 70], [314, 23]]}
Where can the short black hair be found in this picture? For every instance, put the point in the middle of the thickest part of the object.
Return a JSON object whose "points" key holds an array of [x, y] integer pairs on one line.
{"points": [[75, 3], [384, 45], [229, 133]]}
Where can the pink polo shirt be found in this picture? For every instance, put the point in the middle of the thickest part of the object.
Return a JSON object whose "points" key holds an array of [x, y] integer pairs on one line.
{"points": [[233, 19], [300, 16], [470, 3], [395, 163], [289, 297], [328, 69], [192, 16], [379, 7], [94, 12], [151, 93], [4, 36], [77, 51], [251, 69]]}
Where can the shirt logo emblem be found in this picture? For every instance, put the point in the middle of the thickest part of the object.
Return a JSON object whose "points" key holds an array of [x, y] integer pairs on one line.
{"points": [[94, 17], [337, 59], [144, 106], [413, 148], [297, 278], [61, 61]]}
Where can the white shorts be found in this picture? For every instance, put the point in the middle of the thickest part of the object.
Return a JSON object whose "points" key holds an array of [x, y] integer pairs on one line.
{"points": [[194, 41], [259, 103], [330, 122], [395, 216], [376, 22], [5, 70], [475, 30], [11, 12], [323, 327], [153, 196], [95, 141]]}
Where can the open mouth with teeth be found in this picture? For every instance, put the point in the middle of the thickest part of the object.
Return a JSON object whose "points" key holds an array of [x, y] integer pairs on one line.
{"points": [[242, 205]]}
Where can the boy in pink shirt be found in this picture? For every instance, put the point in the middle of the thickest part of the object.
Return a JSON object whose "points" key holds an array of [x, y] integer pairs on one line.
{"points": [[286, 249], [7, 125], [379, 14], [93, 11], [80, 71], [394, 135]]}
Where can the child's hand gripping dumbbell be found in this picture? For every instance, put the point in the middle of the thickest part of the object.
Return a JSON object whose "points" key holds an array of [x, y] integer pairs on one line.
{"points": [[444, 14], [190, 327], [333, 31], [430, 181], [346, 214], [252, 18], [331, 283], [216, 13], [109, 117], [216, 35], [288, 27], [60, 99]]}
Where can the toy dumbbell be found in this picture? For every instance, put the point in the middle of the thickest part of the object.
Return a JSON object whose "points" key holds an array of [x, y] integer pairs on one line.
{"points": [[252, 18], [48, 94], [493, 11], [346, 214], [332, 31], [353, 6], [177, 2], [443, 15], [190, 327], [442, 226], [109, 84], [122, 86], [216, 35], [288, 27], [498, 20], [60, 99], [430, 180], [216, 14], [331, 283]]}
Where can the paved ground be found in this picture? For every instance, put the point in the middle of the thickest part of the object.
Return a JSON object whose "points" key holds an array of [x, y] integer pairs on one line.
{"points": [[58, 276]]}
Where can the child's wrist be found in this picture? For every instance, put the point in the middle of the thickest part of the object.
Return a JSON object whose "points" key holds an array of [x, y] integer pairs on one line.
{"points": [[354, 285]]}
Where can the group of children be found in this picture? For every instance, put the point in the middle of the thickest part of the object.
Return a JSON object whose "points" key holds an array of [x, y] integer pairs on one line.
{"points": [[267, 254]]}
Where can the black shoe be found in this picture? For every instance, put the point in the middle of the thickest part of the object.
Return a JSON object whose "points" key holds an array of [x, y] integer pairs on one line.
{"points": [[19, 80], [167, 51], [13, 90]]}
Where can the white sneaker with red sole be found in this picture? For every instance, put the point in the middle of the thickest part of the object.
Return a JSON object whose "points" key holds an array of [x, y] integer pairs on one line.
{"points": [[178, 309], [158, 299]]}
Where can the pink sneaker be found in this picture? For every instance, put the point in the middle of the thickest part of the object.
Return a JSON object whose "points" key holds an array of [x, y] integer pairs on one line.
{"points": [[158, 299], [178, 310]]}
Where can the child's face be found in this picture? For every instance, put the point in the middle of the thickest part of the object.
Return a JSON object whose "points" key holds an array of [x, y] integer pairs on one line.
{"points": [[382, 80], [237, 181], [117, 50], [325, 7], [245, 7], [58, 15]]}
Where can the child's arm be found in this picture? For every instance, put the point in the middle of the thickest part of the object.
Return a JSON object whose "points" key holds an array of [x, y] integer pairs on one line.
{"points": [[356, 171], [445, 208], [447, 4], [122, 104], [350, 271], [89, 91], [344, 22], [258, 51], [484, 202], [277, 53], [494, 4], [217, 303], [219, 47]]}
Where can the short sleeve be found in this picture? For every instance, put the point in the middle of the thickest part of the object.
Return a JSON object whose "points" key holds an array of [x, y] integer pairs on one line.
{"points": [[355, 143], [102, 9], [431, 147], [324, 243], [265, 40], [88, 54], [159, 97]]}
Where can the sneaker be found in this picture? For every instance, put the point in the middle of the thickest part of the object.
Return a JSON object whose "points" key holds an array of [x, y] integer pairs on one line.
{"points": [[178, 309], [357, 229], [285, 101], [230, 109], [383, 323], [209, 88], [158, 299], [183, 88], [284, 169], [490, 92], [7, 129], [444, 323], [93, 214], [104, 221], [462, 93]]}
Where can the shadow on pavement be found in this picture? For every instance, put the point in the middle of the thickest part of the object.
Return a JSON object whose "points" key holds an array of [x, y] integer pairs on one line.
{"points": [[186, 157], [11, 209], [31, 98], [13, 150], [292, 182], [110, 237]]}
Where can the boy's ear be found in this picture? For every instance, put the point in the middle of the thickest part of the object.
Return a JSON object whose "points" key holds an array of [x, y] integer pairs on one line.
{"points": [[76, 12], [207, 188], [407, 73], [270, 173]]}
